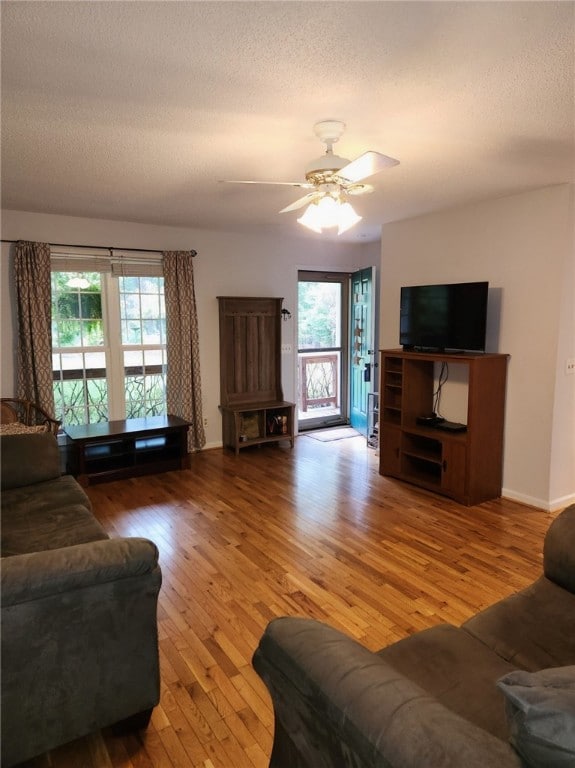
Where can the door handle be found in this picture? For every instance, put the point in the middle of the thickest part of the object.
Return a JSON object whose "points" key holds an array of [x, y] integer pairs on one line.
{"points": [[367, 372]]}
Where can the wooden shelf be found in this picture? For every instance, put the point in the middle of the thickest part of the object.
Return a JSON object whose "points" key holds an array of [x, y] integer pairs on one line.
{"points": [[274, 421], [467, 465]]}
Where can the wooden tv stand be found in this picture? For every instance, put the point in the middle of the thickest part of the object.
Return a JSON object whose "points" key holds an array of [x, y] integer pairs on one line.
{"points": [[110, 450], [466, 466]]}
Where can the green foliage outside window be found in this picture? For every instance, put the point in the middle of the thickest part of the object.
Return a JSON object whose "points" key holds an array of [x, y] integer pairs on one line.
{"points": [[77, 311], [145, 396], [81, 401], [318, 315], [142, 310]]}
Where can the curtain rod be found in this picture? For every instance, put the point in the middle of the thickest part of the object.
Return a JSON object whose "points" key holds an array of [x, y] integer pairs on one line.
{"points": [[103, 247]]}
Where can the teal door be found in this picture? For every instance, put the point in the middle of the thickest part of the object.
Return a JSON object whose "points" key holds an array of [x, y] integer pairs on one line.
{"points": [[362, 354]]}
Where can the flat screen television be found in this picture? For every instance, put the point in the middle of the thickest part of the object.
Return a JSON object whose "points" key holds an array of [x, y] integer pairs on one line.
{"points": [[444, 317]]}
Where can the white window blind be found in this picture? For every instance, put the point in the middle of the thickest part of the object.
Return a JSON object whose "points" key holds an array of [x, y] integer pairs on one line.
{"points": [[119, 263]]}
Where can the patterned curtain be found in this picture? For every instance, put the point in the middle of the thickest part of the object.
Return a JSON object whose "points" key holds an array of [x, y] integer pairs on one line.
{"points": [[34, 307], [184, 388]]}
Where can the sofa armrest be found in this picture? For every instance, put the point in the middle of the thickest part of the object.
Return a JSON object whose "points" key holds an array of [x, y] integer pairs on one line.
{"points": [[79, 642], [38, 575], [338, 704], [559, 550]]}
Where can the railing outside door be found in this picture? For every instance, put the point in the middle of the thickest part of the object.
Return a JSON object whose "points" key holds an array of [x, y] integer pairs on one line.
{"points": [[318, 384]]}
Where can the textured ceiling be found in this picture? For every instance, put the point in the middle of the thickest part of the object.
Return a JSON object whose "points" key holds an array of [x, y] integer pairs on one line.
{"points": [[134, 110]]}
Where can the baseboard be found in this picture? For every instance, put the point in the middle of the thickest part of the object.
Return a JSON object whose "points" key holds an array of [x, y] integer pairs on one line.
{"points": [[553, 505], [562, 502], [212, 445]]}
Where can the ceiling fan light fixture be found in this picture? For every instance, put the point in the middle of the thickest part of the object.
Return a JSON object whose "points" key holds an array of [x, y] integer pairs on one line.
{"points": [[310, 218], [78, 282], [327, 213], [347, 218]]}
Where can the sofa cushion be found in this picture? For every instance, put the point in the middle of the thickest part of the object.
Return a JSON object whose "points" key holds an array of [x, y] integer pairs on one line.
{"points": [[47, 515], [532, 629], [458, 670], [61, 527], [42, 497], [28, 459], [541, 711]]}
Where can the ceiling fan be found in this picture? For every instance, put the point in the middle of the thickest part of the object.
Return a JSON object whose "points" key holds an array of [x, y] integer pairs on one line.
{"points": [[332, 179]]}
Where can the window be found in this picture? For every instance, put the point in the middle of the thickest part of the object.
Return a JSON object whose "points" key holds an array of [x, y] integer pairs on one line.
{"points": [[109, 345], [143, 321]]}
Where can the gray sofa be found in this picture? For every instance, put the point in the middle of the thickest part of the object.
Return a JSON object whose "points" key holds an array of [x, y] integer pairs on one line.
{"points": [[499, 691], [78, 616]]}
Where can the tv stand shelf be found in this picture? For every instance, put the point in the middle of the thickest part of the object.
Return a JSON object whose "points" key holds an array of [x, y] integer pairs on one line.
{"points": [[465, 465]]}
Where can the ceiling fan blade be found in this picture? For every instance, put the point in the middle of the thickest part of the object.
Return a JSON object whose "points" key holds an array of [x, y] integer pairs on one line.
{"points": [[310, 197], [365, 165], [302, 184]]}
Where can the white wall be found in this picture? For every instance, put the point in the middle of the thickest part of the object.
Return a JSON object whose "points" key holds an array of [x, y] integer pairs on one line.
{"points": [[523, 245], [227, 264], [563, 440]]}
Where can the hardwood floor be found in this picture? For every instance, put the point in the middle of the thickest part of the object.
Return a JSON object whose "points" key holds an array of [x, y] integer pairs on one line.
{"points": [[312, 531]]}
